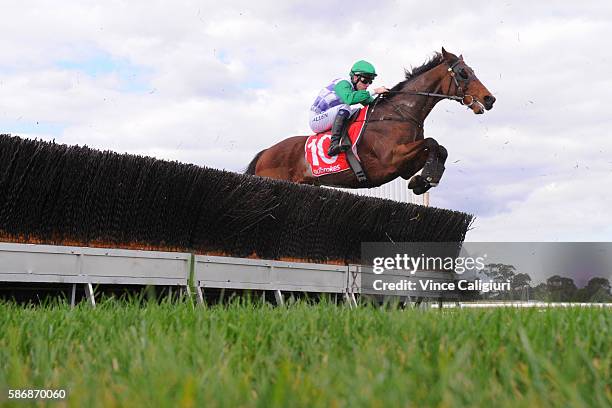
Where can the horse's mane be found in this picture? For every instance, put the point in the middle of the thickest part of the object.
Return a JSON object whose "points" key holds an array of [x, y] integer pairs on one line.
{"points": [[411, 74]]}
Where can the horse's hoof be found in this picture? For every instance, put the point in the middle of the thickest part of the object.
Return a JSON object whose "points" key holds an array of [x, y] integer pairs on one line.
{"points": [[421, 190], [419, 185], [416, 181]]}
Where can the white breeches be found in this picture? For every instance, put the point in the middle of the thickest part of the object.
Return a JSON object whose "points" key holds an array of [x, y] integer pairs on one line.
{"points": [[324, 120]]}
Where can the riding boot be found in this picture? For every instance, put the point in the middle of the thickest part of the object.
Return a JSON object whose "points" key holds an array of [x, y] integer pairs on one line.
{"points": [[337, 131]]}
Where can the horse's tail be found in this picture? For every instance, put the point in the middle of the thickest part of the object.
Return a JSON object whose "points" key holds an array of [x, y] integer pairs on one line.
{"points": [[251, 168]]}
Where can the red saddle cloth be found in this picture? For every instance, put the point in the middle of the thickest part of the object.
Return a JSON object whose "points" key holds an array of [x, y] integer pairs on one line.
{"points": [[316, 148]]}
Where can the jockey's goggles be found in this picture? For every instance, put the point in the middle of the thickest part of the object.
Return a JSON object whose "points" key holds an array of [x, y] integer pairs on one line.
{"points": [[366, 79]]}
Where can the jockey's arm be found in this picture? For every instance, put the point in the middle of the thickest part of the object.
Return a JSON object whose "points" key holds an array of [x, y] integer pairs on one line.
{"points": [[347, 95]]}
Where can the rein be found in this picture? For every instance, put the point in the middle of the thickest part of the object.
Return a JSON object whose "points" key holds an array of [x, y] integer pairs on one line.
{"points": [[452, 70], [436, 95], [407, 117]]}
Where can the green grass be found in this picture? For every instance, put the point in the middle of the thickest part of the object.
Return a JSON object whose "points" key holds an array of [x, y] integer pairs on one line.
{"points": [[245, 354]]}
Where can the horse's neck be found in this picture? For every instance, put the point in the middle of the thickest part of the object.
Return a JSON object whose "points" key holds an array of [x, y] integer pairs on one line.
{"points": [[417, 107], [430, 81]]}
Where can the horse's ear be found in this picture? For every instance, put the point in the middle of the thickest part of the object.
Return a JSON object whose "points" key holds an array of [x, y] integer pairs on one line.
{"points": [[461, 57], [448, 56]]}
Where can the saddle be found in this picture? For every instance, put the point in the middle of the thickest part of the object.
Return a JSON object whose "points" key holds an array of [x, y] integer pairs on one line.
{"points": [[317, 145]]}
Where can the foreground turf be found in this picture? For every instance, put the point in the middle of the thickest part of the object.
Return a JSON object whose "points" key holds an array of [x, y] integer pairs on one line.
{"points": [[306, 355]]}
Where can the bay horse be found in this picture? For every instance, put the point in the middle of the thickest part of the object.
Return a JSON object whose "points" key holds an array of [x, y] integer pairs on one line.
{"points": [[392, 144]]}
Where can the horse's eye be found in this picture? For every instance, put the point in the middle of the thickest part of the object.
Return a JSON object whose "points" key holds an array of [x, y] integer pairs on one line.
{"points": [[463, 73]]}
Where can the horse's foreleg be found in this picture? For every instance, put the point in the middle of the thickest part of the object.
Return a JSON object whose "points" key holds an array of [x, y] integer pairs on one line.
{"points": [[413, 165], [433, 167]]}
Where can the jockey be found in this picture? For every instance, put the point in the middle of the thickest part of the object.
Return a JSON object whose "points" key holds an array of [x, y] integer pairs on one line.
{"points": [[334, 105]]}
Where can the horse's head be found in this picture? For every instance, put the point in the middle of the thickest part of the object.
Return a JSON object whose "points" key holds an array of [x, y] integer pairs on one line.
{"points": [[464, 84]]}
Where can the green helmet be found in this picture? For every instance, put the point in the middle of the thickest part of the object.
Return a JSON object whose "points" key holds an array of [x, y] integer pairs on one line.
{"points": [[363, 67]]}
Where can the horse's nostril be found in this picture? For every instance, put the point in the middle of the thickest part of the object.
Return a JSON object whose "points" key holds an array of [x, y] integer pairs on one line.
{"points": [[488, 101]]}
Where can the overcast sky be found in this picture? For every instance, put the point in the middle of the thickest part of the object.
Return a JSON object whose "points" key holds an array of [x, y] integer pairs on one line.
{"points": [[212, 83]]}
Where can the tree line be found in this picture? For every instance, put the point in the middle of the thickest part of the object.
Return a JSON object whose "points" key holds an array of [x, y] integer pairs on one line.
{"points": [[555, 289]]}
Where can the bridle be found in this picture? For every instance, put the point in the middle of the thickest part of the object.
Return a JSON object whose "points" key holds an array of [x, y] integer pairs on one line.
{"points": [[460, 96]]}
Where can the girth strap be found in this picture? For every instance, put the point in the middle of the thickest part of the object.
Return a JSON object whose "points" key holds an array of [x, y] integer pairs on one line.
{"points": [[356, 166]]}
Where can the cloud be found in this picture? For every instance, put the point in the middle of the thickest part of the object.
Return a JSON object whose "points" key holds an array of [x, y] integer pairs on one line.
{"points": [[214, 84], [565, 210]]}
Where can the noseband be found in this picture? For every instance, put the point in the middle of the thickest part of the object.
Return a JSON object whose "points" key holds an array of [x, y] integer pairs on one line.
{"points": [[462, 97]]}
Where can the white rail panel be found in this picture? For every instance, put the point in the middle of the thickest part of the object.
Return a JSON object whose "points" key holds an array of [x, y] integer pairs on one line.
{"points": [[83, 265], [64, 264], [242, 273]]}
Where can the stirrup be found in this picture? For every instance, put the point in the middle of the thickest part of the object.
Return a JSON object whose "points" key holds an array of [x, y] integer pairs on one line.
{"points": [[345, 144], [334, 150], [338, 147]]}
